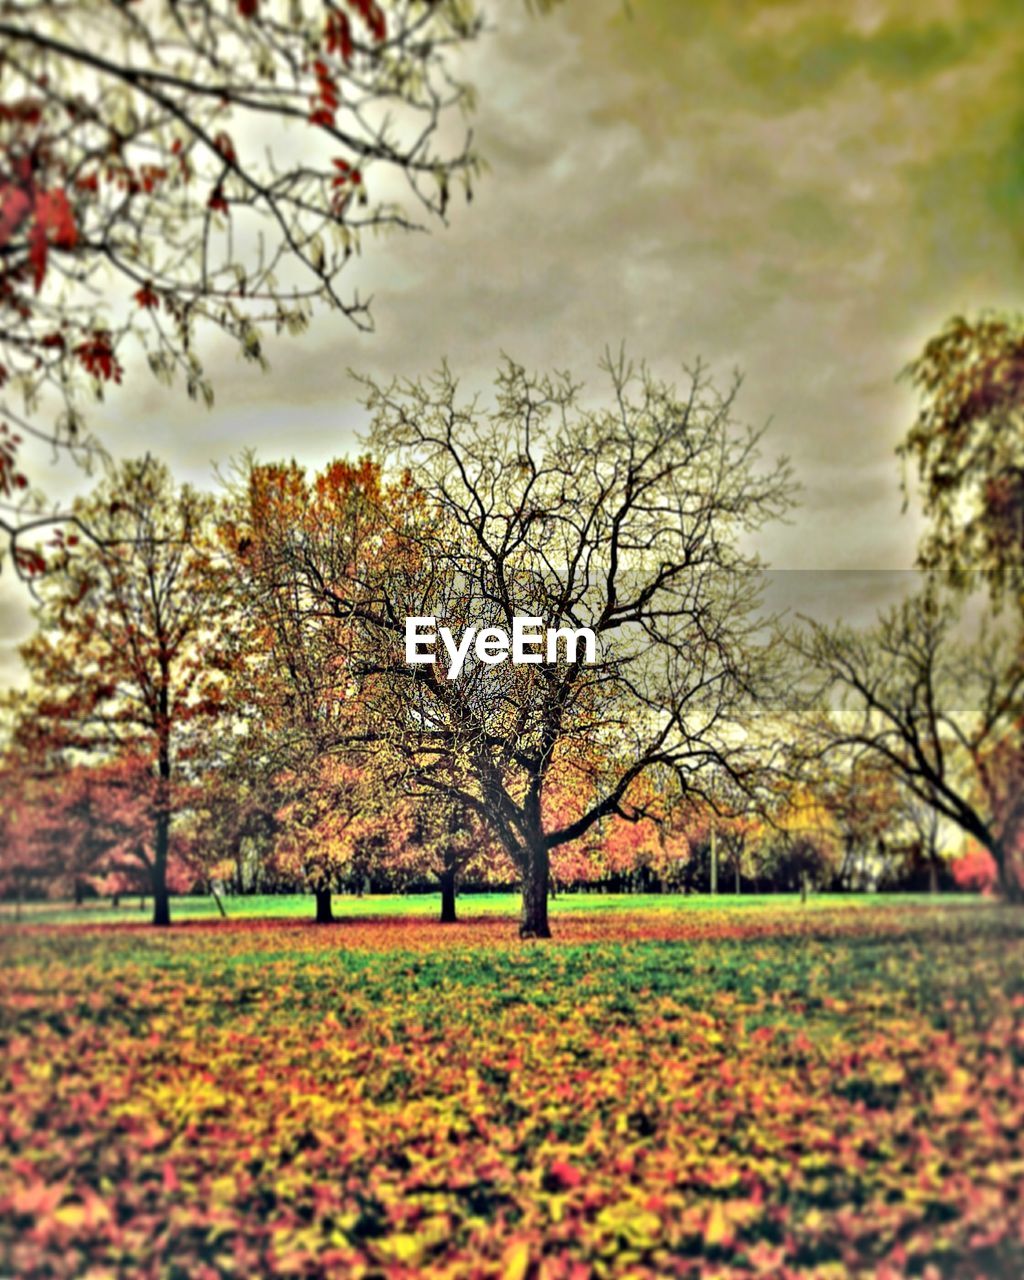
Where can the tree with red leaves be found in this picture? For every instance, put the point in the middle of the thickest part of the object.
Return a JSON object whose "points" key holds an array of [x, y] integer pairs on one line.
{"points": [[69, 828], [130, 659], [174, 168]]}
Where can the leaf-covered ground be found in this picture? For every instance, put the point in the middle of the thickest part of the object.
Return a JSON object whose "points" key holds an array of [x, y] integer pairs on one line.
{"points": [[760, 1092]]}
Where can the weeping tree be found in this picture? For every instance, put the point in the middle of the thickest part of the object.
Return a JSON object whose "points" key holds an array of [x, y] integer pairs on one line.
{"points": [[627, 521]]}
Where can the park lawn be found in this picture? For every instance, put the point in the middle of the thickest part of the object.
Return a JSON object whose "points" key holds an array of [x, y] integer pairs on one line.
{"points": [[289, 906], [755, 1090]]}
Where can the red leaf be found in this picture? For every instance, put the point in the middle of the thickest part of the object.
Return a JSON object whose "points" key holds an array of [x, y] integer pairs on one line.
{"points": [[372, 14], [565, 1174], [97, 356], [54, 214], [29, 562], [338, 35], [14, 207]]}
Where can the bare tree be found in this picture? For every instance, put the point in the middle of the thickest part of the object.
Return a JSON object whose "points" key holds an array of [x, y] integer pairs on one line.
{"points": [[943, 715], [627, 520]]}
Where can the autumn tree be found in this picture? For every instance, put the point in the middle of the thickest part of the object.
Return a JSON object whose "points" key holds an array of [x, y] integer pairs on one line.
{"points": [[171, 170], [132, 645], [33, 860], [330, 815], [628, 520], [303, 710], [939, 712], [855, 797], [437, 838]]}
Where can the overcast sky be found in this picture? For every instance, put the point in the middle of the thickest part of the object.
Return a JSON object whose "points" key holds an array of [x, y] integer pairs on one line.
{"points": [[802, 190]]}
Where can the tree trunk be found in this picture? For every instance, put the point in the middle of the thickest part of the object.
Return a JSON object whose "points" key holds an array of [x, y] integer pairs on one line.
{"points": [[714, 861], [324, 914], [1010, 889], [161, 905], [536, 877], [933, 878], [161, 898], [217, 899], [803, 886], [448, 893], [738, 888]]}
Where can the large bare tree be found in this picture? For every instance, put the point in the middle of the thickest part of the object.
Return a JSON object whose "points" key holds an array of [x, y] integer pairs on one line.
{"points": [[630, 520]]}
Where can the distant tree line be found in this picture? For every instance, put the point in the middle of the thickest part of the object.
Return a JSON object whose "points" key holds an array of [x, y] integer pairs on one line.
{"points": [[219, 697]]}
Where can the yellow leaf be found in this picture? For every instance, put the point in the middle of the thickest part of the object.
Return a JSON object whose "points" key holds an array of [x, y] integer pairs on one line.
{"points": [[516, 1262], [717, 1230], [404, 1248], [71, 1215]]}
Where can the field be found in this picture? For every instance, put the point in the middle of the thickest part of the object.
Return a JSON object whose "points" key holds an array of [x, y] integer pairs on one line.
{"points": [[700, 1090]]}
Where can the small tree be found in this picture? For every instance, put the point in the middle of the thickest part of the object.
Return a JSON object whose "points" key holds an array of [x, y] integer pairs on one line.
{"points": [[331, 813]]}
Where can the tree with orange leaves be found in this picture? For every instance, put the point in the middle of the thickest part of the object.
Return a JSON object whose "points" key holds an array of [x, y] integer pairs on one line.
{"points": [[338, 796]]}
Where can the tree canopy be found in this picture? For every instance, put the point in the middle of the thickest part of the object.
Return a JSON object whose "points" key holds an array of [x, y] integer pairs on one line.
{"points": [[175, 168]]}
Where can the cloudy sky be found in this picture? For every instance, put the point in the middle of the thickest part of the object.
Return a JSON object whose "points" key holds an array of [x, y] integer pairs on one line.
{"points": [[802, 190]]}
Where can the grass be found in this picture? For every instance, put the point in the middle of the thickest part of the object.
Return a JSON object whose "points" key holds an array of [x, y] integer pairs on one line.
{"points": [[709, 1088], [298, 906]]}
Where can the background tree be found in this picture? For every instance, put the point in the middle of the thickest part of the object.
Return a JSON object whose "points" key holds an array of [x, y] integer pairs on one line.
{"points": [[921, 852], [628, 520], [290, 535], [938, 712], [968, 444], [130, 656], [864, 802], [331, 815], [304, 713], [174, 167], [445, 842]]}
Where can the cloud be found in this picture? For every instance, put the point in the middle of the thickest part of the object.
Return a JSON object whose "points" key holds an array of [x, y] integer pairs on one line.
{"points": [[803, 189]]}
